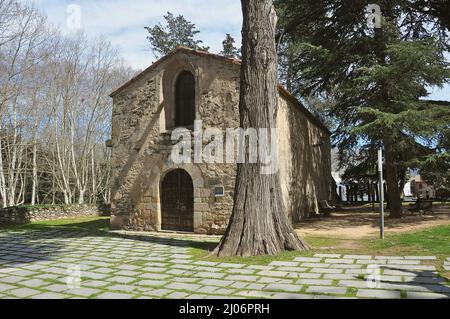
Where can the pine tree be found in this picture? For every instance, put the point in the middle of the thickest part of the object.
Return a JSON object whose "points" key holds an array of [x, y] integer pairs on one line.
{"points": [[178, 31], [377, 77], [229, 50]]}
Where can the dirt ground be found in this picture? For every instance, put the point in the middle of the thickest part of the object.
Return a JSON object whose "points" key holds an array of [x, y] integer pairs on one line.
{"points": [[363, 222]]}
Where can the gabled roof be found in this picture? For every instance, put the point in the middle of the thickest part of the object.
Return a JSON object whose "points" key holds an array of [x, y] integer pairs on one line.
{"points": [[181, 49]]}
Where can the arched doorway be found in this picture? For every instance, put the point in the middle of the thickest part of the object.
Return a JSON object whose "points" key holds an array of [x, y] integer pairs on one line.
{"points": [[177, 201]]}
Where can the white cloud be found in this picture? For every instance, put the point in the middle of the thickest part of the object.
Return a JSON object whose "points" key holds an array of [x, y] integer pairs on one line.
{"points": [[122, 21]]}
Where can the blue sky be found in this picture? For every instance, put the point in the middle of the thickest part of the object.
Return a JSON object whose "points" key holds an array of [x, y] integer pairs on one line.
{"points": [[122, 23]]}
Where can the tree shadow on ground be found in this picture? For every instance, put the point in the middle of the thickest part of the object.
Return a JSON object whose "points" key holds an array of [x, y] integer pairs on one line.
{"points": [[429, 281], [29, 243]]}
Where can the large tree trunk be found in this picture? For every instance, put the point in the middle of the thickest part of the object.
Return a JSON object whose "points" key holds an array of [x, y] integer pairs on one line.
{"points": [[259, 223], [393, 190]]}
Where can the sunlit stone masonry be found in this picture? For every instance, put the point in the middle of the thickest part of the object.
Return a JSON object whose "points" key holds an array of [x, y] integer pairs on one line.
{"points": [[152, 193]]}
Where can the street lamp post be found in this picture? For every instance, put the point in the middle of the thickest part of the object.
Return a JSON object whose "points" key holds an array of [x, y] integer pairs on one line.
{"points": [[380, 173]]}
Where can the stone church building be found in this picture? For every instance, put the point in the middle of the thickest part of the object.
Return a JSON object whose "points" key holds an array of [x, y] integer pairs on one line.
{"points": [[151, 193]]}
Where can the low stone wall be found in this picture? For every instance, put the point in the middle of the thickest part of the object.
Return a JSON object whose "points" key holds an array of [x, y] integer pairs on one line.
{"points": [[26, 214]]}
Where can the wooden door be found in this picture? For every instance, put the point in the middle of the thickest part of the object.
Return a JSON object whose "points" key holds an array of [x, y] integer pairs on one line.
{"points": [[177, 202]]}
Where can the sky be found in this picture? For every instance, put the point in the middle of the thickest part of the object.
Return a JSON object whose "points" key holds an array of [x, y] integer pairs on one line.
{"points": [[122, 22]]}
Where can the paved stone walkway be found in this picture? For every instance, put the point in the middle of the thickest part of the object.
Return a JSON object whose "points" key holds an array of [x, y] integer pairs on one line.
{"points": [[69, 264]]}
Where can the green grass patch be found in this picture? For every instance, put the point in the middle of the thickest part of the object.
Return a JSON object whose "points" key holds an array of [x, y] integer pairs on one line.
{"points": [[433, 241]]}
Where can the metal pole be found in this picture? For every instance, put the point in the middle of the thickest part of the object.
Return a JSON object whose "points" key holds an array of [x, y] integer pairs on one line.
{"points": [[380, 173]]}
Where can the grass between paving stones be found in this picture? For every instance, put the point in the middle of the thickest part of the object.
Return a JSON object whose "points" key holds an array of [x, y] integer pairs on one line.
{"points": [[419, 243], [433, 241]]}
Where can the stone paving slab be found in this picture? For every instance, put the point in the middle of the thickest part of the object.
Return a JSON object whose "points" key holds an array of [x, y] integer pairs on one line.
{"points": [[153, 283], [49, 296], [371, 262], [389, 257], [284, 287], [83, 292], [271, 273], [339, 261], [308, 259], [357, 257], [210, 275], [183, 286], [284, 263], [23, 292], [347, 266], [377, 293], [260, 267], [425, 295], [327, 255], [316, 265], [121, 279], [421, 257], [315, 282], [5, 287], [242, 278], [340, 276], [240, 271], [114, 295], [215, 282], [327, 270], [41, 264], [291, 269], [228, 265], [34, 283], [270, 280], [327, 290]]}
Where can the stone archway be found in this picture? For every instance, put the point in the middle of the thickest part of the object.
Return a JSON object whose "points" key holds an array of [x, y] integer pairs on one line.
{"points": [[180, 65], [177, 201]]}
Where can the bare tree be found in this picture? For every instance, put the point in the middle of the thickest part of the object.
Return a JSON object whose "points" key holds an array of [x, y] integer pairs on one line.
{"points": [[22, 48], [54, 110]]}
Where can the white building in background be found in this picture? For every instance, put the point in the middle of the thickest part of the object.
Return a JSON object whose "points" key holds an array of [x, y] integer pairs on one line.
{"points": [[407, 190], [419, 188], [340, 188]]}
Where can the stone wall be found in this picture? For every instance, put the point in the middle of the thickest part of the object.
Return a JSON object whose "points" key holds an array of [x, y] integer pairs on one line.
{"points": [[26, 214], [141, 142], [305, 161]]}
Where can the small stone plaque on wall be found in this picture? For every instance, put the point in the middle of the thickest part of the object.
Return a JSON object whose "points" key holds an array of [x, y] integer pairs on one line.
{"points": [[219, 191]]}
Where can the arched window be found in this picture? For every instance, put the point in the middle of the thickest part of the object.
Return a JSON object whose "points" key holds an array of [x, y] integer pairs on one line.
{"points": [[185, 99]]}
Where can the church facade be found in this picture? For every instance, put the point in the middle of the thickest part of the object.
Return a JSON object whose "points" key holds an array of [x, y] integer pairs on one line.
{"points": [[152, 192]]}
